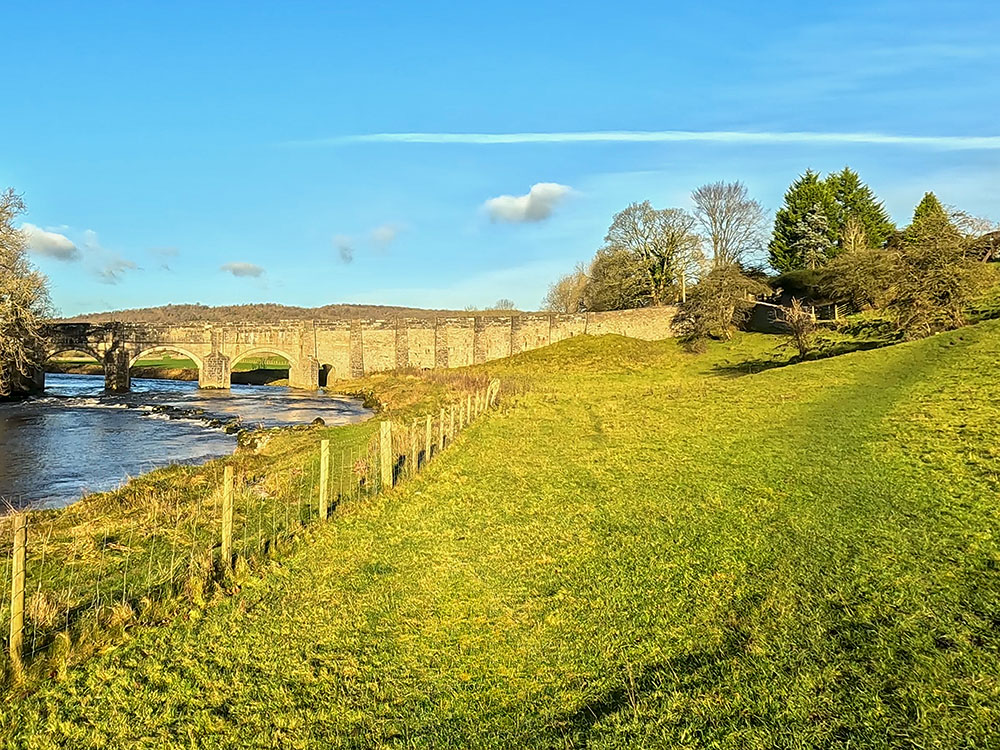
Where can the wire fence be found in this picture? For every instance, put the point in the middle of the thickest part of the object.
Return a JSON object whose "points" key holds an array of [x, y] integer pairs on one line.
{"points": [[80, 575]]}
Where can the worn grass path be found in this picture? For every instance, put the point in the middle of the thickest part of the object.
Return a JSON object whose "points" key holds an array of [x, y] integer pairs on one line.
{"points": [[645, 551]]}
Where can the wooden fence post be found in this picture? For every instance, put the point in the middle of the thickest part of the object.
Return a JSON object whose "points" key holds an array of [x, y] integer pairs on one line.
{"points": [[324, 477], [17, 592], [385, 452], [428, 438], [413, 448], [451, 424], [441, 431], [227, 517], [468, 409]]}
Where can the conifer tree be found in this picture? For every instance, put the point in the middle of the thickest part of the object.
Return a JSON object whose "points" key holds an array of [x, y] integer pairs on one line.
{"points": [[853, 198], [804, 194], [813, 244]]}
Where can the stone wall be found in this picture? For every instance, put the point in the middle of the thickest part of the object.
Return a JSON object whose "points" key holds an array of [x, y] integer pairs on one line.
{"points": [[366, 346]]}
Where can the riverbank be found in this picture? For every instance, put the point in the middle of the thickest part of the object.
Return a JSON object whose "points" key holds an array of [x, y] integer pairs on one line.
{"points": [[653, 549], [155, 536], [76, 438]]}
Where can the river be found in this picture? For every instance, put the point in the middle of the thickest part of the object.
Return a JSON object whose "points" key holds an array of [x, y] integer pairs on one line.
{"points": [[76, 439]]}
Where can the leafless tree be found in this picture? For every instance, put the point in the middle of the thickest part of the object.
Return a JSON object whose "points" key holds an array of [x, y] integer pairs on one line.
{"points": [[974, 230], [854, 238], [801, 325], [566, 294], [23, 300], [731, 220], [666, 242]]}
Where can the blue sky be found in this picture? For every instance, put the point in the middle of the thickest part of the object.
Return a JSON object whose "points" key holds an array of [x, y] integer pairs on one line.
{"points": [[224, 153]]}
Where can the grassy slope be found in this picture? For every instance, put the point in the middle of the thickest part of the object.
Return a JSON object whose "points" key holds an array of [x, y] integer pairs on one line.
{"points": [[646, 551]]}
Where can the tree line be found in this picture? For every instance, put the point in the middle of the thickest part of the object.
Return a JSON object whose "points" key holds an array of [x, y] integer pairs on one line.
{"points": [[831, 240]]}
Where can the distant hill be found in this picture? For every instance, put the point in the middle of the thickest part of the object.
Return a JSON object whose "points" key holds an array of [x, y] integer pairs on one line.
{"points": [[265, 313]]}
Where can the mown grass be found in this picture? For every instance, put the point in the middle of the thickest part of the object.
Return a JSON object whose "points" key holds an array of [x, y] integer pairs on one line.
{"points": [[645, 548]]}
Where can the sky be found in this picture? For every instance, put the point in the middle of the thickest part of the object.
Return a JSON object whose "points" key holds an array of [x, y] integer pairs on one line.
{"points": [[445, 155]]}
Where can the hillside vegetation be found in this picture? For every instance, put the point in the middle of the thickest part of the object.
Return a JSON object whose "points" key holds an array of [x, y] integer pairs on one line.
{"points": [[646, 548], [264, 313]]}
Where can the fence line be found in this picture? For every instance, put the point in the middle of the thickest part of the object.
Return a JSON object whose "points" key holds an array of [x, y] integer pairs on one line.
{"points": [[78, 576]]}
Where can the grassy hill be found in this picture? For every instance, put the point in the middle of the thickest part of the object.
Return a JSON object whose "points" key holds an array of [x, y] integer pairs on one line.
{"points": [[647, 549]]}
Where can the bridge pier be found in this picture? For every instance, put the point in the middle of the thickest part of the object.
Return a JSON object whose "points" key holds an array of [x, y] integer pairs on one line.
{"points": [[215, 371], [304, 374], [116, 375]]}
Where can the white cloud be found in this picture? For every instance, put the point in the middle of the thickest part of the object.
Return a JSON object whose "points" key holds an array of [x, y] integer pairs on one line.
{"points": [[940, 142], [536, 205], [384, 235], [243, 270], [50, 244]]}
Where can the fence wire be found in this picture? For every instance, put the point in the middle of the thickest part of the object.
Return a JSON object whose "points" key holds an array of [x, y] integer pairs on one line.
{"points": [[144, 555]]}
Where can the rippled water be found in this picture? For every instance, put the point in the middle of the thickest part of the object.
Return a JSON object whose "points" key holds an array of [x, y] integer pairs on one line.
{"points": [[75, 439]]}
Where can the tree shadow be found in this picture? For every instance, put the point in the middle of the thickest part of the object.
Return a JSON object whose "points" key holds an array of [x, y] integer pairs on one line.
{"points": [[689, 671], [825, 351]]}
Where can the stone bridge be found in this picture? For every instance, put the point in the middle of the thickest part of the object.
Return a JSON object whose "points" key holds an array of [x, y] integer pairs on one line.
{"points": [[317, 350]]}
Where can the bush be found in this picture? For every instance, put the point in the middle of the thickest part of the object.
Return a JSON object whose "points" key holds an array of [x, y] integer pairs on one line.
{"points": [[718, 304]]}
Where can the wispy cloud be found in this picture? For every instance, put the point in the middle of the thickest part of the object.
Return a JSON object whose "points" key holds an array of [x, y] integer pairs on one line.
{"points": [[940, 142], [385, 235], [536, 205], [108, 265], [110, 272], [243, 270]]}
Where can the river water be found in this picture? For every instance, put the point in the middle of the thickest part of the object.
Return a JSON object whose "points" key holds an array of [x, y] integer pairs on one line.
{"points": [[76, 439]]}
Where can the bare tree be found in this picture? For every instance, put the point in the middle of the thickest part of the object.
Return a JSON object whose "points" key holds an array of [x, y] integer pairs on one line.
{"points": [[566, 294], [854, 238], [666, 242], [23, 301], [979, 234], [732, 221], [504, 304], [801, 325]]}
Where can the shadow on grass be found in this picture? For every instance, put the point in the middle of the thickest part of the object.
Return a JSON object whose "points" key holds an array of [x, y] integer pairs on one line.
{"points": [[689, 671], [827, 350]]}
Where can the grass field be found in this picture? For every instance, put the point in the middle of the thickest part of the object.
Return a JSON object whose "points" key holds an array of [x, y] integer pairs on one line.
{"points": [[646, 548]]}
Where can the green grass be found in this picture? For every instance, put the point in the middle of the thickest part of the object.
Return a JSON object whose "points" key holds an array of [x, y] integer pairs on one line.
{"points": [[646, 548]]}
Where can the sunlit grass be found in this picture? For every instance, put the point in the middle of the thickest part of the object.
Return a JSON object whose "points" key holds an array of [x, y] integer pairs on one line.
{"points": [[644, 548]]}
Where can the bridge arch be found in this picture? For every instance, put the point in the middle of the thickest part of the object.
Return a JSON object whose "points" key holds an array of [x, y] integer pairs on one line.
{"points": [[55, 351], [262, 350], [160, 349]]}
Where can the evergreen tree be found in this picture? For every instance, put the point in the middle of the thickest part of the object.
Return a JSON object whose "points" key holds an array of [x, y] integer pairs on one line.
{"points": [[804, 194], [813, 244], [852, 198], [930, 219]]}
